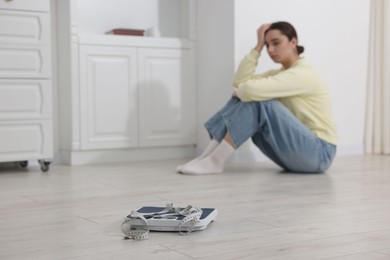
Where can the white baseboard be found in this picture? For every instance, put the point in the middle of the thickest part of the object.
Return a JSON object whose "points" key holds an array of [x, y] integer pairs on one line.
{"points": [[125, 155], [247, 157], [357, 149]]}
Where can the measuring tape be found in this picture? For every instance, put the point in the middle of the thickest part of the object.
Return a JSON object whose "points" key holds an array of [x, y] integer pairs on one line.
{"points": [[136, 225]]}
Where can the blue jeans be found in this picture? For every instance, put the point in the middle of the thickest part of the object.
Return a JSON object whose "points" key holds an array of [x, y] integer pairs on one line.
{"points": [[275, 131]]}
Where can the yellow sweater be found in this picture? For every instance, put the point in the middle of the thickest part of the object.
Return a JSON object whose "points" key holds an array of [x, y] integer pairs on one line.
{"points": [[300, 88]]}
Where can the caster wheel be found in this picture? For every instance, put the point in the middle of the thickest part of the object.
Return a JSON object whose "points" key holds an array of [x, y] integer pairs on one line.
{"points": [[44, 165], [23, 164], [44, 168]]}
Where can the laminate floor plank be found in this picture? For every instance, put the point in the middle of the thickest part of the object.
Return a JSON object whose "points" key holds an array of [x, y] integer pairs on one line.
{"points": [[75, 212]]}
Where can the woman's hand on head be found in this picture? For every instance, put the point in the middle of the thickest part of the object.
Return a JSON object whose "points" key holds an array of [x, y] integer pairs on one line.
{"points": [[260, 36]]}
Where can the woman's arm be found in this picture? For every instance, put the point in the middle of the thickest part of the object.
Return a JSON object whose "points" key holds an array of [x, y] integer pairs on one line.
{"points": [[248, 65], [260, 37], [294, 81], [246, 69]]}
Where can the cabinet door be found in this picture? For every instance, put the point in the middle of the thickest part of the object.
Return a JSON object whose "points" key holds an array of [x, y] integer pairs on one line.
{"points": [[166, 98], [108, 97]]}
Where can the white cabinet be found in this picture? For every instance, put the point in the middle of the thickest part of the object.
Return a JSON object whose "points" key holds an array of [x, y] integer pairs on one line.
{"points": [[30, 5], [135, 97], [25, 82], [125, 98]]}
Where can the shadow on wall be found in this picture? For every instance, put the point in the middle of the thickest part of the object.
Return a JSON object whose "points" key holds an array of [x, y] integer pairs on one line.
{"points": [[173, 18], [160, 114]]}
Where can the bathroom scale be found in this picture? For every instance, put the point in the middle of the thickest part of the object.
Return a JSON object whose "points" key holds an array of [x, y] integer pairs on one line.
{"points": [[161, 219]]}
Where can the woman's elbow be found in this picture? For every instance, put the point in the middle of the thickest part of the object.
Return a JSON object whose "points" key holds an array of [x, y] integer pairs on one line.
{"points": [[237, 83]]}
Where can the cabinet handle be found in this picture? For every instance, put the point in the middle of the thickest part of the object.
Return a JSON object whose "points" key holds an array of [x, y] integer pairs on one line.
{"points": [[8, 0]]}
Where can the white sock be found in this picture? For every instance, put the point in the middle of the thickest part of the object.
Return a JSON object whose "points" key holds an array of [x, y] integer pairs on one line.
{"points": [[212, 145], [214, 163]]}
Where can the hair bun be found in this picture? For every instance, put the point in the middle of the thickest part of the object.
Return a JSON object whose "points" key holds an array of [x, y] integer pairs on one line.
{"points": [[300, 49]]}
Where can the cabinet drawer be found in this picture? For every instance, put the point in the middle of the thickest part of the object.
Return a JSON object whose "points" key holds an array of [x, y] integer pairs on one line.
{"points": [[24, 27], [28, 5], [25, 99], [24, 62], [25, 140]]}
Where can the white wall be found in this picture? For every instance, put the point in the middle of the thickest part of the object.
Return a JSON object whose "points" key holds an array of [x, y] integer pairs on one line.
{"points": [[215, 60], [106, 15], [335, 36], [334, 33], [54, 81]]}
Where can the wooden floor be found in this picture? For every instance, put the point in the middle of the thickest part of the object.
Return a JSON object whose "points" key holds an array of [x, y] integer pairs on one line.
{"points": [[76, 212]]}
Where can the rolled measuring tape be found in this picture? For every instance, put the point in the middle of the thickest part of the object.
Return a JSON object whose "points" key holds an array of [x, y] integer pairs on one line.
{"points": [[192, 216], [136, 227]]}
